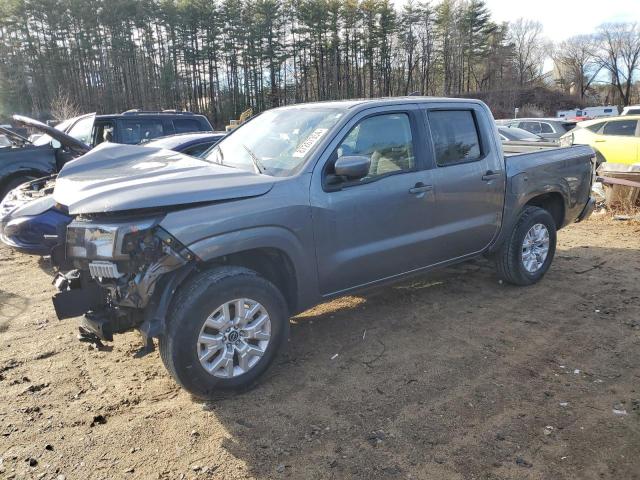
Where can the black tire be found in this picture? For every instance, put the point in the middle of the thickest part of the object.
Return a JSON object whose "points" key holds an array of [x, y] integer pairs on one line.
{"points": [[201, 296], [13, 183], [509, 258]]}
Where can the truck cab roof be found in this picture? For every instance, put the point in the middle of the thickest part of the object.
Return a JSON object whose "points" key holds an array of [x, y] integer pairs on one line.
{"points": [[380, 102]]}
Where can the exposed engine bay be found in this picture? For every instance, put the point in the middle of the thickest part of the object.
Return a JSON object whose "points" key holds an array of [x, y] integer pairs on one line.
{"points": [[115, 271]]}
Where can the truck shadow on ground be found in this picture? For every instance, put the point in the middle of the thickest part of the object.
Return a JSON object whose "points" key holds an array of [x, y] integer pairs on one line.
{"points": [[450, 374], [11, 306]]}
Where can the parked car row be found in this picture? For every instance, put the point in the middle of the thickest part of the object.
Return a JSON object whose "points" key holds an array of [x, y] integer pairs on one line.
{"points": [[615, 139], [547, 128]]}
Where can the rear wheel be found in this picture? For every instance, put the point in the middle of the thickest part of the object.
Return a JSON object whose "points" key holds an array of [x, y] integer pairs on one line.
{"points": [[527, 254], [225, 328]]}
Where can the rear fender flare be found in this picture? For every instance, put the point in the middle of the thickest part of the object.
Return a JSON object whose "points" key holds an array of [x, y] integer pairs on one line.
{"points": [[516, 200]]}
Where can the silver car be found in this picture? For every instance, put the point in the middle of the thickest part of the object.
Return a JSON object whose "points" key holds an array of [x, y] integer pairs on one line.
{"points": [[547, 128]]}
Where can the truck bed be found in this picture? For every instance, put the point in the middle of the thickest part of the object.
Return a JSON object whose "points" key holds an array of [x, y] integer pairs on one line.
{"points": [[565, 173], [515, 148]]}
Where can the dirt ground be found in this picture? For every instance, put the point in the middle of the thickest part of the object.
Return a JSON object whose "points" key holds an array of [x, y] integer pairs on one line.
{"points": [[447, 376]]}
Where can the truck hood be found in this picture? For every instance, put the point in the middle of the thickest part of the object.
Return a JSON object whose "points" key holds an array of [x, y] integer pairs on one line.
{"points": [[114, 178]]}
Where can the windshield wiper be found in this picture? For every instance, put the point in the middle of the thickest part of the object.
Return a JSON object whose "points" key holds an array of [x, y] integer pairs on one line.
{"points": [[256, 161]]}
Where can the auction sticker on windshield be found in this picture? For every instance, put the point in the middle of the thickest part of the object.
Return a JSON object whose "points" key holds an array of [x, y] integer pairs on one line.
{"points": [[311, 140]]}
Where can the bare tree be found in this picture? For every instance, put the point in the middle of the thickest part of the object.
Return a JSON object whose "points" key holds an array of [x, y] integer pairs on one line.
{"points": [[529, 49], [619, 54], [576, 62], [62, 107]]}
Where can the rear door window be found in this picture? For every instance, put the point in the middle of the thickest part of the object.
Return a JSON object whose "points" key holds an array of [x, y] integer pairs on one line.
{"points": [[546, 128], [455, 136], [185, 125], [533, 127], [141, 131], [625, 128]]}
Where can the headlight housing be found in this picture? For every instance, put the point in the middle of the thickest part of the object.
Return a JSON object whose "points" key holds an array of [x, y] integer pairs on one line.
{"points": [[102, 241]]}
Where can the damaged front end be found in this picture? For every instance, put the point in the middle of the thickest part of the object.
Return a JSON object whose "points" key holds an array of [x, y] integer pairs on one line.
{"points": [[120, 275]]}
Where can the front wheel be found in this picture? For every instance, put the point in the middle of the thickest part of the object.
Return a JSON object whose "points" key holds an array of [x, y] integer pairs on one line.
{"points": [[224, 329], [527, 254]]}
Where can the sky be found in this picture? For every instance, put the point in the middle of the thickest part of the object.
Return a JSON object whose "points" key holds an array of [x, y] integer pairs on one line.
{"points": [[562, 19]]}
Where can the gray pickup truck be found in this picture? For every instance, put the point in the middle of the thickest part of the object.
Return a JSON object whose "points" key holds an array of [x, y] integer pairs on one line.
{"points": [[299, 205]]}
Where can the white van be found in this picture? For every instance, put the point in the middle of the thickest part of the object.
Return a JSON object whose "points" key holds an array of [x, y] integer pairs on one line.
{"points": [[592, 112]]}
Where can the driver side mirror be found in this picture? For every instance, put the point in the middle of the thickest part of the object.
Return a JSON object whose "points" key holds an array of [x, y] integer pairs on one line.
{"points": [[354, 167]]}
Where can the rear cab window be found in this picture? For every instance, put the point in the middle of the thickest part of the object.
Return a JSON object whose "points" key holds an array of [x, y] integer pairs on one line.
{"points": [[455, 136]]}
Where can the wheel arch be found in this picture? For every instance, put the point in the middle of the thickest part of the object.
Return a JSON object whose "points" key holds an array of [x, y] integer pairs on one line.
{"points": [[271, 263], [553, 202], [552, 199], [273, 251], [29, 173]]}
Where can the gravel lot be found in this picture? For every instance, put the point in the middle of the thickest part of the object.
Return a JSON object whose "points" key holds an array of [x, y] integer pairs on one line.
{"points": [[447, 376]]}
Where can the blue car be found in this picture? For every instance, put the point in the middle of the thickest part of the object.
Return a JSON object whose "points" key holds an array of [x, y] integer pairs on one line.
{"points": [[31, 221]]}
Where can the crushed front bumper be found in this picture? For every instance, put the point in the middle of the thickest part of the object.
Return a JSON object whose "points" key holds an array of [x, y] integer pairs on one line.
{"points": [[80, 295], [77, 294]]}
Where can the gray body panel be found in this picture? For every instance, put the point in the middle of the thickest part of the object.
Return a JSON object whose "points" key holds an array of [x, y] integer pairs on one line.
{"points": [[347, 239], [279, 220]]}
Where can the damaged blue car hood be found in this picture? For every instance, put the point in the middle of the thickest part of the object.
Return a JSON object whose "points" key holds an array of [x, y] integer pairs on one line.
{"points": [[114, 177]]}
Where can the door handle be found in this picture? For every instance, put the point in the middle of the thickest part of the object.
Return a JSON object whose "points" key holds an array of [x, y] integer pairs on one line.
{"points": [[599, 141], [491, 175], [420, 188]]}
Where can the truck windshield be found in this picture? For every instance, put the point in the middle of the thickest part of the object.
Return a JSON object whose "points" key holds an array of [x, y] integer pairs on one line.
{"points": [[276, 142]]}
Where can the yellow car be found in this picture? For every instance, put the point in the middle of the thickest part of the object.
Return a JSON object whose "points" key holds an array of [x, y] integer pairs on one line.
{"points": [[615, 139]]}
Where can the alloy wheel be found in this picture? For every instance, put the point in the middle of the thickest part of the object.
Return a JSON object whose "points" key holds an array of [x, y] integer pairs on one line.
{"points": [[234, 337]]}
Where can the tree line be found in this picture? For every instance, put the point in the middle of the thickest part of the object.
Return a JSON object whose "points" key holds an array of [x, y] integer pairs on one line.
{"points": [[219, 57]]}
